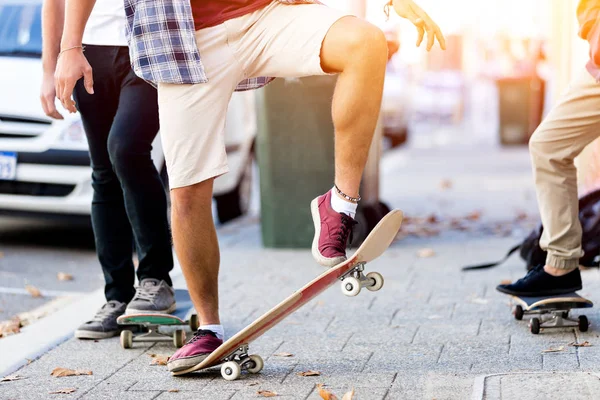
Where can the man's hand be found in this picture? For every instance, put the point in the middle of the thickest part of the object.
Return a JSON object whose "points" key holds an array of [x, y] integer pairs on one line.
{"points": [[72, 66], [411, 11], [48, 96]]}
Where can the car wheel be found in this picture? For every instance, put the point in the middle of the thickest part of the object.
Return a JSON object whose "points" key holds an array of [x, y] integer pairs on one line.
{"points": [[235, 203]]}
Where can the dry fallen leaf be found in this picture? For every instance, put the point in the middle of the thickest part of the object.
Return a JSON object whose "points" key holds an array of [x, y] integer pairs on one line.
{"points": [[60, 372], [283, 355], [173, 390], [325, 394], [159, 359], [425, 253], [11, 378], [505, 282], [63, 391], [309, 373], [554, 349], [349, 395], [266, 393], [521, 216], [1, 254], [63, 276], [446, 184], [584, 344], [474, 216], [10, 326], [33, 291], [252, 384]]}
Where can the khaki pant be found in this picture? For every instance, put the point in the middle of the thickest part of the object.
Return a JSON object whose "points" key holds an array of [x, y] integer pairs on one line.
{"points": [[572, 124], [278, 40]]}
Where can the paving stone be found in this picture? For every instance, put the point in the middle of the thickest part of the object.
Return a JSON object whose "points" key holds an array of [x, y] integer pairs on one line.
{"points": [[360, 393], [432, 385], [404, 358], [504, 362], [438, 332], [569, 386], [202, 395], [101, 393], [560, 362]]}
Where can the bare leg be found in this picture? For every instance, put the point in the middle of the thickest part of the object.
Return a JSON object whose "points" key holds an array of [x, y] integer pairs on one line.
{"points": [[358, 51], [197, 247]]}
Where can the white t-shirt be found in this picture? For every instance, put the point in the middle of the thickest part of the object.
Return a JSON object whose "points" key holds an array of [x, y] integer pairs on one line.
{"points": [[106, 26]]}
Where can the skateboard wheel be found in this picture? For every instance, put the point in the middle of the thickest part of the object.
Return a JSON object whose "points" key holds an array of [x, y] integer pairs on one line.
{"points": [[350, 286], [519, 313], [583, 323], [377, 280], [178, 338], [194, 323], [256, 363], [230, 371], [534, 326], [126, 339]]}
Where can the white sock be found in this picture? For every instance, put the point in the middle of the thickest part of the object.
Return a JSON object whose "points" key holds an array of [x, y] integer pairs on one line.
{"points": [[341, 205], [216, 329]]}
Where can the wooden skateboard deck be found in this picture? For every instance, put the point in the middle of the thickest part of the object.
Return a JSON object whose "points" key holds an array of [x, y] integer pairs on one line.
{"points": [[373, 246], [149, 319], [568, 300], [552, 311]]}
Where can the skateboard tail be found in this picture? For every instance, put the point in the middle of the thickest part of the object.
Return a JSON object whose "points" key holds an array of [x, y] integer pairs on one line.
{"points": [[272, 318]]}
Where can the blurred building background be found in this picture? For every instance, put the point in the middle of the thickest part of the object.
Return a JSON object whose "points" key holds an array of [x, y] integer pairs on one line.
{"points": [[507, 62]]}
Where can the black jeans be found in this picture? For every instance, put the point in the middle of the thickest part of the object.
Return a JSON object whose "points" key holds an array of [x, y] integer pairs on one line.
{"points": [[129, 207]]}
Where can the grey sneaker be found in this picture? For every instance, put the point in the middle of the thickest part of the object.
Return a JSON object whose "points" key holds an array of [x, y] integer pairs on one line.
{"points": [[104, 323], [152, 296]]}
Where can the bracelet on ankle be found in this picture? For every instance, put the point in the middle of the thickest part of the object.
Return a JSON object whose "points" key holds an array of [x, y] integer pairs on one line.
{"points": [[345, 196], [386, 9]]}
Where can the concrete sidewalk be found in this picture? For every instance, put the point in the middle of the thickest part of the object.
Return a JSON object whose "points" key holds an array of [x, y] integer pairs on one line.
{"points": [[431, 332]]}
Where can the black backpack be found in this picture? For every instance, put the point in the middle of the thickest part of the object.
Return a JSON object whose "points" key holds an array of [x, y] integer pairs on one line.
{"points": [[533, 255]]}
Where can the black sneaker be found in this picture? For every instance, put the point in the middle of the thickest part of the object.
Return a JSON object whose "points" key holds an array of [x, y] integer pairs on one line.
{"points": [[538, 282], [104, 324]]}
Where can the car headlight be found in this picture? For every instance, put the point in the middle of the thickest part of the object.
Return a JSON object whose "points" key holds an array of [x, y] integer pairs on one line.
{"points": [[72, 136]]}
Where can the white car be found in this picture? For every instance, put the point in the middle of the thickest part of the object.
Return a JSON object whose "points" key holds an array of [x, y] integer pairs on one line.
{"points": [[44, 163]]}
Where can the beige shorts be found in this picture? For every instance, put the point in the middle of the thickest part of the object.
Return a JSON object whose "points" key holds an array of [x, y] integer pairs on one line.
{"points": [[278, 40]]}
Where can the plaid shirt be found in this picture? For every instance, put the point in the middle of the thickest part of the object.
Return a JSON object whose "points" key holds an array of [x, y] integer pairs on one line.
{"points": [[162, 43]]}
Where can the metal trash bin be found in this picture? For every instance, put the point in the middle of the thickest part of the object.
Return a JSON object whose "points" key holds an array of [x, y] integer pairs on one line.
{"points": [[521, 104], [295, 155]]}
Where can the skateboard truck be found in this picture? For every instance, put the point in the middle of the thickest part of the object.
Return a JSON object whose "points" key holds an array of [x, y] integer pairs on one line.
{"points": [[150, 324], [354, 280], [551, 318], [238, 360], [153, 335]]}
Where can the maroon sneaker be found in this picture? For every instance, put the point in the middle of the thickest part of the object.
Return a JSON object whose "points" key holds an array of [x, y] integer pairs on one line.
{"points": [[194, 351], [332, 230]]}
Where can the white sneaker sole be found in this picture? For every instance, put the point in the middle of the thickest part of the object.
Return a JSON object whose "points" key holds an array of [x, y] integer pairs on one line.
{"points": [[83, 334]]}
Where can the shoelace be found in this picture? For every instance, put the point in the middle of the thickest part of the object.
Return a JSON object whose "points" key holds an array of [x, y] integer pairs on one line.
{"points": [[200, 333], [147, 293], [532, 272], [104, 313], [345, 231]]}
